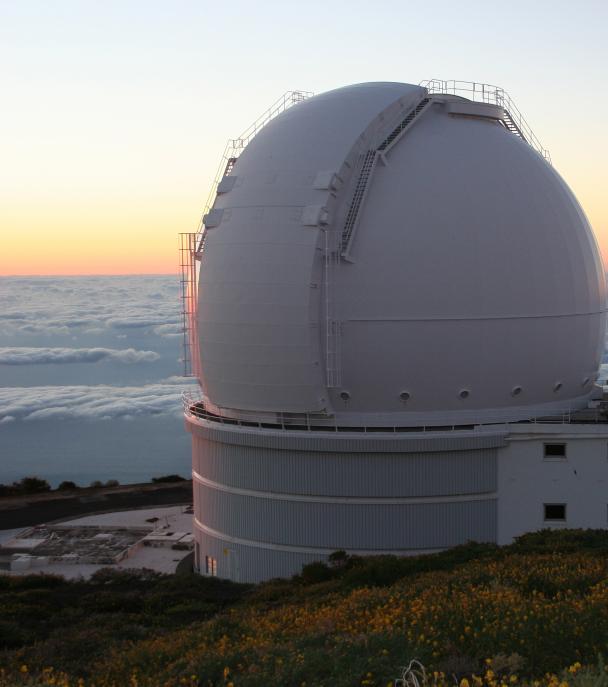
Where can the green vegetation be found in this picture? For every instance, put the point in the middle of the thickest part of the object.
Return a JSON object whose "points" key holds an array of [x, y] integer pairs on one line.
{"points": [[168, 478], [27, 485], [478, 615], [67, 485], [36, 485]]}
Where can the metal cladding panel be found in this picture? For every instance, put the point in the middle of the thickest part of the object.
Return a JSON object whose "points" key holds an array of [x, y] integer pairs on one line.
{"points": [[242, 563], [261, 268], [347, 525], [358, 474], [474, 268]]}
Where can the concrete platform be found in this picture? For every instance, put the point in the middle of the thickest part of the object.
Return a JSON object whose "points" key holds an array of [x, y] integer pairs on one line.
{"points": [[158, 553]]}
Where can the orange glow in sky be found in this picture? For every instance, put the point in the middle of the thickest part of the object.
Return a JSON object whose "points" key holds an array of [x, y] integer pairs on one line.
{"points": [[115, 114]]}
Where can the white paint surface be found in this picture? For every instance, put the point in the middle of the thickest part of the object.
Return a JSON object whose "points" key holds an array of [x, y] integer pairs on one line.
{"points": [[526, 480], [472, 267]]}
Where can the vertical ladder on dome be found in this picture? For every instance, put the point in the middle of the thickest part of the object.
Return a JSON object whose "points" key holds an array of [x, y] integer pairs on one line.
{"points": [[333, 367]]}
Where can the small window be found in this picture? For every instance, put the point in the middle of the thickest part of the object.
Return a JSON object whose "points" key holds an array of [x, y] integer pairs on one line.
{"points": [[555, 512], [555, 451]]}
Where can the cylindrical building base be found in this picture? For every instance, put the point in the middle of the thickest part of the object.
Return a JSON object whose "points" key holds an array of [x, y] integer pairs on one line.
{"points": [[268, 501]]}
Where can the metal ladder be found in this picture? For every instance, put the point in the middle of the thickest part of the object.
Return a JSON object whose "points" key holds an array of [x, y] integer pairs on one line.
{"points": [[510, 125], [366, 165], [395, 134], [367, 162]]}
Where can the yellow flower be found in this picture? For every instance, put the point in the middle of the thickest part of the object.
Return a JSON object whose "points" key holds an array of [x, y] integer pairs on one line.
{"points": [[23, 668], [226, 672], [464, 682]]}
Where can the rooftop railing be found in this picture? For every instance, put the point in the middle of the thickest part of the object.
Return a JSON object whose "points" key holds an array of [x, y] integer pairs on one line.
{"points": [[493, 95]]}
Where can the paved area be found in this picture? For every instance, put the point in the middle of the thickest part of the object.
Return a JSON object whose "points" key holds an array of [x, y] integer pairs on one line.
{"points": [[56, 506], [158, 555]]}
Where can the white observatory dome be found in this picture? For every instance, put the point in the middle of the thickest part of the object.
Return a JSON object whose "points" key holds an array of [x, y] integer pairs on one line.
{"points": [[384, 256]]}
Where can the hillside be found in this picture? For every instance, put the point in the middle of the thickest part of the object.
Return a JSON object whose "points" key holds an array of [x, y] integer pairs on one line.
{"points": [[492, 616]]}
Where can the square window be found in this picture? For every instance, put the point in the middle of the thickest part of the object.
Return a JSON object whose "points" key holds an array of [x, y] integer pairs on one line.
{"points": [[555, 451], [555, 512]]}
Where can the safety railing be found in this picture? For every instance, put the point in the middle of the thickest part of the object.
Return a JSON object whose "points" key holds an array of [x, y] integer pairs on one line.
{"points": [[194, 406], [493, 95], [235, 146]]}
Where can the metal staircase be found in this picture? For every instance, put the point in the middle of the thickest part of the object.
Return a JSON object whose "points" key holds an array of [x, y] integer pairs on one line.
{"points": [[509, 123], [395, 134], [512, 120], [365, 167], [229, 165], [367, 162]]}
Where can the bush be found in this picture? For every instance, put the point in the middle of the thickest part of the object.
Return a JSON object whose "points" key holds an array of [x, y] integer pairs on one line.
{"points": [[96, 484], [169, 478], [112, 483], [316, 572], [32, 485], [561, 540], [67, 485]]}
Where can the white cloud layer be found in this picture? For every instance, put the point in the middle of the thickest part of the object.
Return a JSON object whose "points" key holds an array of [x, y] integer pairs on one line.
{"points": [[101, 402], [44, 356], [67, 305]]}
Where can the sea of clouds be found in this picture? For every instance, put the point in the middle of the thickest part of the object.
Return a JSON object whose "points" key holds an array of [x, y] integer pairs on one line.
{"points": [[90, 384]]}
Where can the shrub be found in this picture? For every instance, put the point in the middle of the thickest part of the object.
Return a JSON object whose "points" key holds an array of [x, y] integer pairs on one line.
{"points": [[67, 485], [169, 478], [32, 485], [316, 572]]}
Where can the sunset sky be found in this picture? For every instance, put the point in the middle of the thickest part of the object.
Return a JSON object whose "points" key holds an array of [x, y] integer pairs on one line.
{"points": [[114, 113]]}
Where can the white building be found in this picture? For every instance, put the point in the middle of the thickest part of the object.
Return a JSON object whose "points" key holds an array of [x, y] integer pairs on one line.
{"points": [[400, 316]]}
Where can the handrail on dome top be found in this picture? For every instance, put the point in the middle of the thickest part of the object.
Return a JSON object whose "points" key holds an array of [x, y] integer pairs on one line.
{"points": [[235, 146], [493, 95]]}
